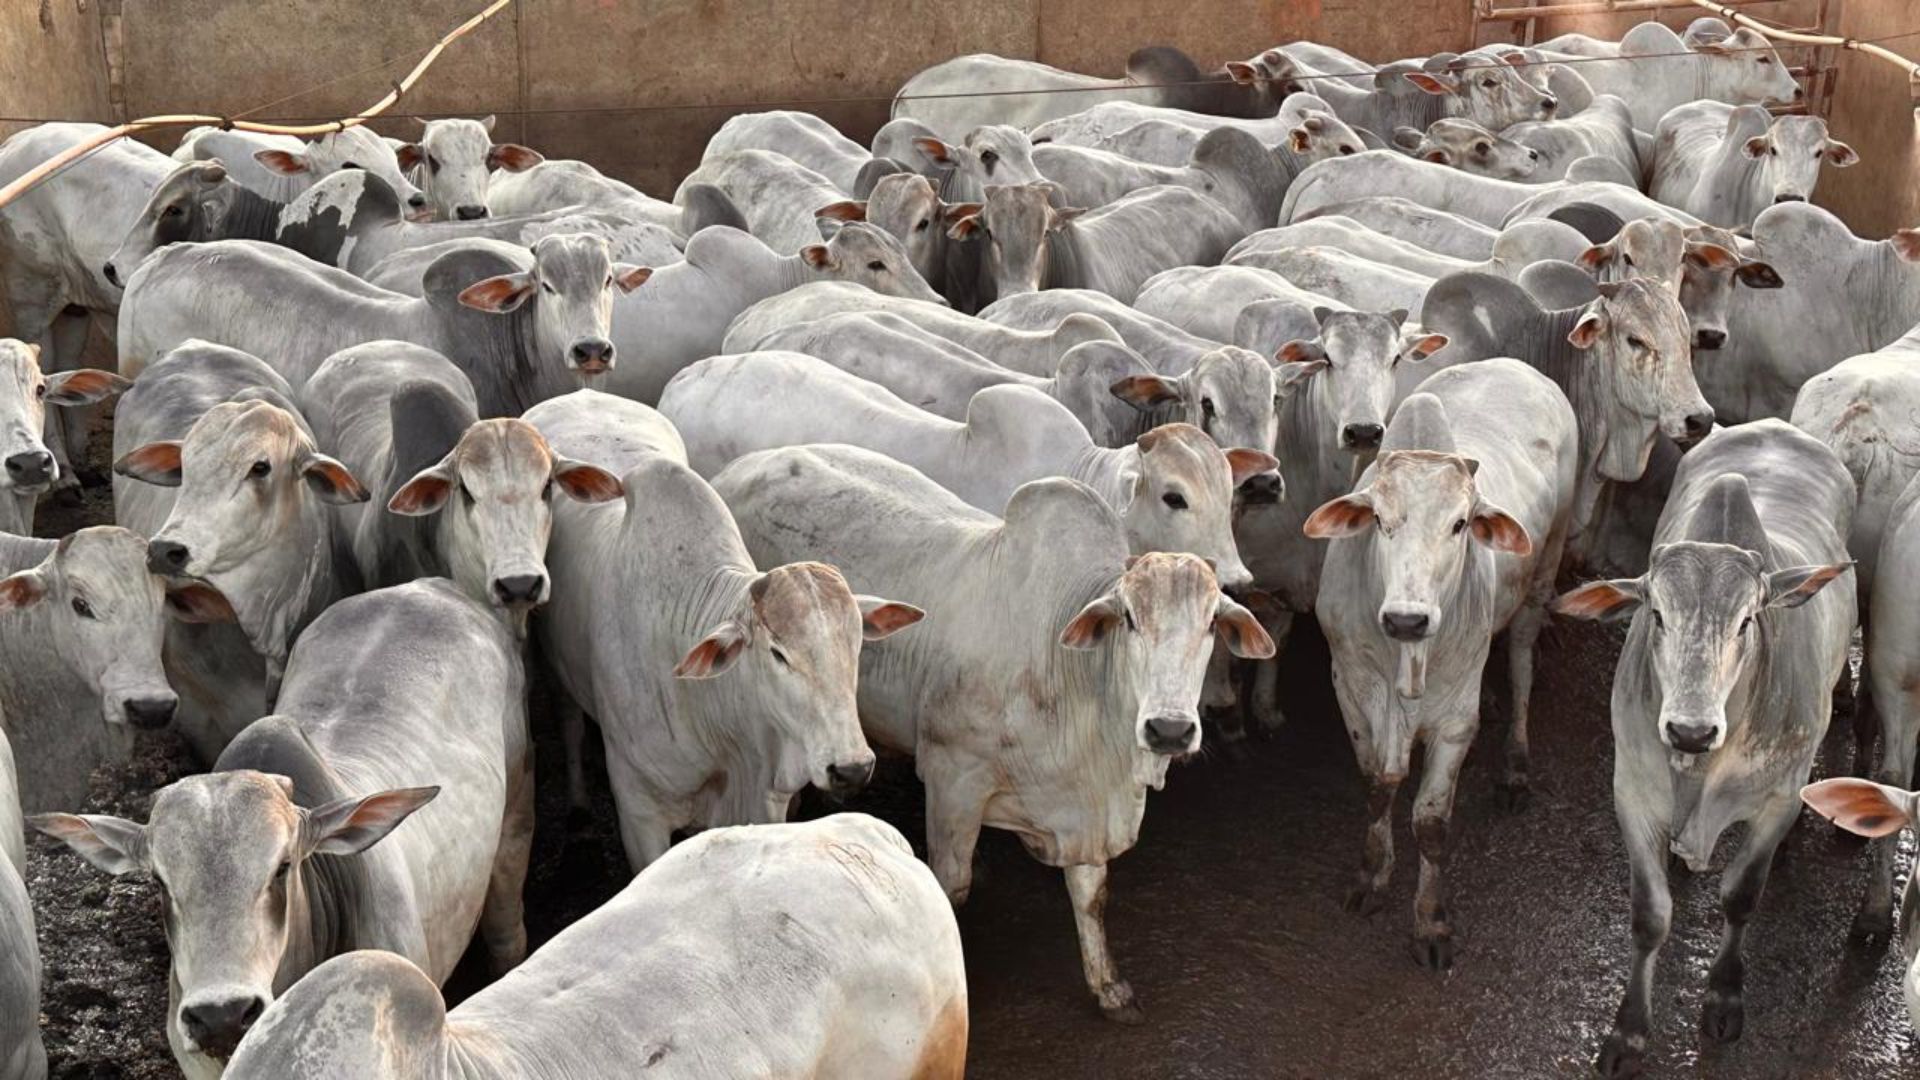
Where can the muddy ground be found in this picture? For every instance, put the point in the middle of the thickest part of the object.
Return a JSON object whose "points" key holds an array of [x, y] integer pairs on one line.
{"points": [[1226, 918]]}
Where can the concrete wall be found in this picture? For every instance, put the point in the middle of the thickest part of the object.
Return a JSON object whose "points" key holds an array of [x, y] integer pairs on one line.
{"points": [[1873, 113], [52, 63]]}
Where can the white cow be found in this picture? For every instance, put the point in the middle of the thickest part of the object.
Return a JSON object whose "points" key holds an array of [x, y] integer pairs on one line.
{"points": [[22, 1055], [282, 166], [27, 466], [801, 136], [883, 994], [1724, 164], [1107, 652], [1303, 131], [455, 159], [778, 195], [1654, 71], [1879, 810], [1403, 219]]}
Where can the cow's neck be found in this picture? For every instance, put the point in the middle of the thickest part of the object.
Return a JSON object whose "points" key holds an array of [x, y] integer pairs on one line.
{"points": [[1065, 268], [1604, 448], [1889, 303], [250, 216]]}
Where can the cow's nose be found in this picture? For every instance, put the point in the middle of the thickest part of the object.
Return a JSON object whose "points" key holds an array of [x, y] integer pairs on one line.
{"points": [[216, 1027], [591, 356], [1362, 436], [150, 713], [1549, 104], [1709, 340], [30, 468], [1266, 487], [417, 200], [1170, 734], [469, 213], [519, 588], [166, 556], [1698, 424], [1405, 625], [848, 778], [1690, 738], [112, 275], [1533, 155], [1778, 199]]}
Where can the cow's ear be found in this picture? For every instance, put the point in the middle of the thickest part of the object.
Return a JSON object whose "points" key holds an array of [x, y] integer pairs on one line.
{"points": [[488, 121], [155, 463], [113, 844], [1496, 529], [817, 256], [953, 212], [1348, 515], [199, 603], [1434, 83], [1711, 256], [410, 156], [1596, 255], [426, 493], [1243, 73], [1758, 275], [84, 386], [965, 227], [714, 654], [844, 210], [880, 619], [284, 162], [352, 825], [1861, 806], [587, 483], [1407, 138], [513, 157], [1600, 600], [1245, 464], [934, 149], [1292, 375], [1418, 347], [1060, 219], [1244, 635], [1586, 333], [1299, 140], [1438, 156], [1094, 622], [498, 294], [331, 481], [1146, 391], [1796, 585], [1840, 155], [1301, 352], [628, 277], [1906, 244], [1755, 147], [22, 590]]}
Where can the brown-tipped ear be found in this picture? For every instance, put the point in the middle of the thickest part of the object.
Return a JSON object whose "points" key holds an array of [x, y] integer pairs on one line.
{"points": [[965, 227], [844, 210], [1348, 515], [1860, 806], [1906, 244], [881, 619], [1595, 256], [498, 294], [1759, 275], [1299, 140], [1093, 623], [1060, 219], [513, 157], [1711, 256], [155, 463], [331, 481], [1586, 333], [1438, 156], [426, 493], [714, 654], [1146, 391], [1497, 529], [1301, 352], [817, 256], [1245, 463], [199, 603], [587, 483], [410, 156], [1840, 155], [1424, 346], [934, 149], [22, 590], [1755, 147], [84, 386], [1599, 600], [1244, 635], [352, 825], [284, 162], [1796, 585], [1431, 83], [628, 277], [951, 212], [113, 844], [1243, 73]]}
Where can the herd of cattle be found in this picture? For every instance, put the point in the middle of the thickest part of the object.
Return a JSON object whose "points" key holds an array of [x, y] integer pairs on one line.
{"points": [[1071, 378]]}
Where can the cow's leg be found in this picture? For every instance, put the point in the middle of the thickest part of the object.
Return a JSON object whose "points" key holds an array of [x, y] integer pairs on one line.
{"points": [[1376, 857], [956, 803], [646, 831], [1866, 721], [67, 429], [1626, 1045], [1263, 696], [1087, 885], [1221, 703], [1432, 826], [503, 919], [1522, 634], [1724, 1013], [573, 734], [1898, 701]]}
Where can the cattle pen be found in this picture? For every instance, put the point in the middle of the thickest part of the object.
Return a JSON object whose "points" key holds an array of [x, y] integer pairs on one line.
{"points": [[781, 435]]}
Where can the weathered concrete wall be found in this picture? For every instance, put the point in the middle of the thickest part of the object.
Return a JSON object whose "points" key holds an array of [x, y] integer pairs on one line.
{"points": [[52, 63], [1873, 113]]}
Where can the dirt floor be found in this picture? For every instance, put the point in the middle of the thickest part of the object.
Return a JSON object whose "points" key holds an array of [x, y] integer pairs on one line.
{"points": [[1227, 920]]}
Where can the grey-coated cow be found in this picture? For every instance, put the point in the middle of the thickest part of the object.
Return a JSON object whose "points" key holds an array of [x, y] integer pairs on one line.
{"points": [[778, 195], [1724, 164], [404, 720], [907, 207], [1723, 691], [1227, 165], [1453, 535], [22, 1054], [454, 159], [833, 946], [802, 136], [1109, 652], [1655, 70], [1471, 148], [278, 167], [27, 466]]}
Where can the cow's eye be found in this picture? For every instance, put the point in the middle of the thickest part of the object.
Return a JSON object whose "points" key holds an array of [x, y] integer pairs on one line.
{"points": [[1773, 151], [1628, 259], [1130, 623], [1206, 406], [1658, 622], [350, 165], [546, 288], [260, 469], [1763, 59], [1460, 526], [780, 658], [40, 391], [876, 266], [1636, 343], [172, 211], [1488, 83], [988, 157], [922, 227], [82, 608], [1482, 148], [466, 495], [1746, 624], [280, 875], [1174, 500], [546, 492], [1346, 149]]}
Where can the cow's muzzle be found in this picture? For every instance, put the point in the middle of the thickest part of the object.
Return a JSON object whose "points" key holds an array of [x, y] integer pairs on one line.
{"points": [[1171, 734]]}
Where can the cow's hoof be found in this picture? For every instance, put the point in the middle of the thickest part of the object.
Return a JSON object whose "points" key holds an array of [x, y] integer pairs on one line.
{"points": [[1434, 953], [1724, 1016], [1872, 930], [1362, 900], [1513, 796], [1118, 1004], [1622, 1056]]}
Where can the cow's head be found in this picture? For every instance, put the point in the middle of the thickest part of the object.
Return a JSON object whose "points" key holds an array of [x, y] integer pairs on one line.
{"points": [[353, 148], [1349, 370], [106, 617], [1160, 617], [454, 159], [1013, 228], [1640, 361], [25, 393], [866, 255], [906, 207], [229, 852], [1489, 89], [1791, 153], [1182, 497], [1702, 613], [1465, 145], [1714, 265], [567, 297], [993, 154], [1744, 68], [793, 646], [494, 494], [188, 206], [1317, 134], [1229, 393], [1269, 77]]}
